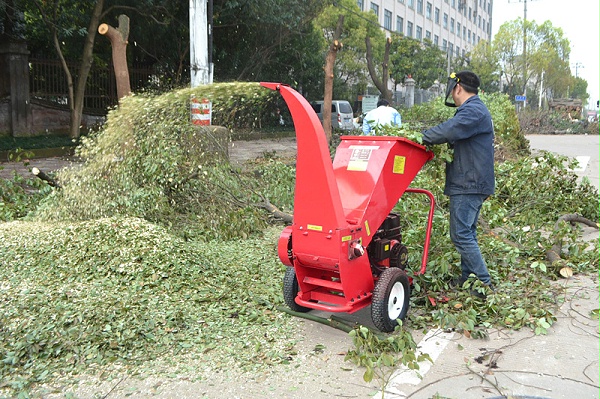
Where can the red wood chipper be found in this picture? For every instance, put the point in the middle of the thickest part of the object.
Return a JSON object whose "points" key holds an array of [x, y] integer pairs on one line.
{"points": [[344, 249]]}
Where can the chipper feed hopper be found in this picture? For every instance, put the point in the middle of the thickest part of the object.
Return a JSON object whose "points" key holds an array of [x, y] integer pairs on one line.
{"points": [[344, 249]]}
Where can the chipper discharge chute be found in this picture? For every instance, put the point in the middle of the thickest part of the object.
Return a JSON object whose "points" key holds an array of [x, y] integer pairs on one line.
{"points": [[344, 248]]}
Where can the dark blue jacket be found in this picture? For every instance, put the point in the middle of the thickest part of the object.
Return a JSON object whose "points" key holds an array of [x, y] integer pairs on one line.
{"points": [[471, 133]]}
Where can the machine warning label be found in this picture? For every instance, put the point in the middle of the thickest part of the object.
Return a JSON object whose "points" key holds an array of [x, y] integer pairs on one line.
{"points": [[399, 162], [314, 227], [359, 158]]}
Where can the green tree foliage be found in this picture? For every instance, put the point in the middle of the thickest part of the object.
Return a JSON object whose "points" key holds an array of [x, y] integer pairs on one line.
{"points": [[274, 40], [579, 89], [350, 63], [158, 37], [484, 61], [423, 61], [547, 52]]}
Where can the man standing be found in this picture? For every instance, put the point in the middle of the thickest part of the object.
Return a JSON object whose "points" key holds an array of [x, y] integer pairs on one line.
{"points": [[382, 115], [470, 176]]}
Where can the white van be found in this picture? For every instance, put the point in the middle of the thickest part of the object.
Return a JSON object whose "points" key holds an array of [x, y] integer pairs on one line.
{"points": [[341, 114]]}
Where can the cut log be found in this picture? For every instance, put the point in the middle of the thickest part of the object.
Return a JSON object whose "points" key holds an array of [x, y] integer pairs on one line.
{"points": [[43, 176]]}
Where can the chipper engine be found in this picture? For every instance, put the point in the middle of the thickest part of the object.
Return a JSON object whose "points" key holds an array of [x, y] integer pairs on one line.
{"points": [[344, 249]]}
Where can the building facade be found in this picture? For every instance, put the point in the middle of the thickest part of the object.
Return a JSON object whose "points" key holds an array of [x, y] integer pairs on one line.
{"points": [[454, 26]]}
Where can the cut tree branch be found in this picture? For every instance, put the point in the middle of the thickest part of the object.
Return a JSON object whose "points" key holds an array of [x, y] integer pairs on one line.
{"points": [[553, 254], [43, 176]]}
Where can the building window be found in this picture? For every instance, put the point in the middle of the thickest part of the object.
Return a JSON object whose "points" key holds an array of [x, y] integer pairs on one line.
{"points": [[451, 25], [399, 24], [464, 32], [437, 15], [360, 4], [428, 10], [450, 48], [470, 13], [420, 6], [444, 45], [436, 40], [428, 35], [479, 23], [409, 29], [387, 19], [411, 3], [375, 8], [419, 33], [445, 21], [458, 29], [453, 3]]}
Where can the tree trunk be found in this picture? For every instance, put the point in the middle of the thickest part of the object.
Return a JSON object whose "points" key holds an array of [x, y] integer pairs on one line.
{"points": [[118, 39], [329, 63], [381, 84], [84, 70]]}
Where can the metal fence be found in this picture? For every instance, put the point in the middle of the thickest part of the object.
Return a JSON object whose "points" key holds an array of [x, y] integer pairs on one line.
{"points": [[48, 82]]}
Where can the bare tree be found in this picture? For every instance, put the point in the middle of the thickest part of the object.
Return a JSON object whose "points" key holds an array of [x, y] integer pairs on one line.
{"points": [[381, 84], [335, 46], [76, 91]]}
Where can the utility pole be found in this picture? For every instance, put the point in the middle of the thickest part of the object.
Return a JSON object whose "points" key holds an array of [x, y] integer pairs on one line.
{"points": [[541, 91], [200, 42], [525, 52]]}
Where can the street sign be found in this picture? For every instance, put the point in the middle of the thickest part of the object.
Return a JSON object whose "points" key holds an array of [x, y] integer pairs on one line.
{"points": [[520, 98], [369, 103]]}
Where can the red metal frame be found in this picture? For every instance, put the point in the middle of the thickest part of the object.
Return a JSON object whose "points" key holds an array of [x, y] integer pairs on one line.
{"points": [[429, 226], [339, 206]]}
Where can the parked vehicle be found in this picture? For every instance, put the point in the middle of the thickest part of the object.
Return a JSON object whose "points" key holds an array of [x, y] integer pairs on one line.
{"points": [[341, 114]]}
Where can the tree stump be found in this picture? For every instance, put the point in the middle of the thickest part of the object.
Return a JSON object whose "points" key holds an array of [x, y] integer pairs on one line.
{"points": [[118, 39]]}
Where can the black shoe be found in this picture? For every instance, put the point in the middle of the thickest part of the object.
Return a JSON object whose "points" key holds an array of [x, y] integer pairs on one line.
{"points": [[456, 282], [483, 295]]}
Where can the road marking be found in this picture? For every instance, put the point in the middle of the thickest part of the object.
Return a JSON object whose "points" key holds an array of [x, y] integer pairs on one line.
{"points": [[582, 161], [433, 344]]}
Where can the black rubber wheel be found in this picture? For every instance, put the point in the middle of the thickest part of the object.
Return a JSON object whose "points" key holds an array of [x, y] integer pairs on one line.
{"points": [[391, 299], [290, 291]]}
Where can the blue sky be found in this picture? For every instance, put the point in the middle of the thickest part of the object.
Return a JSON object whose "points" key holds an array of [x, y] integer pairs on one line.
{"points": [[579, 20]]}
